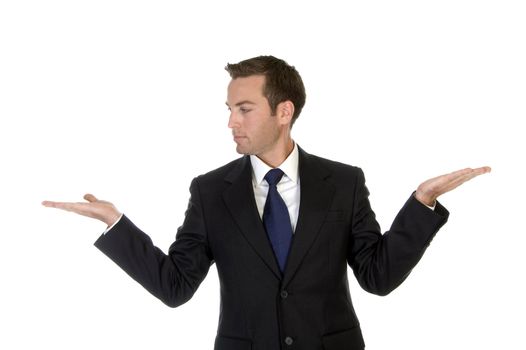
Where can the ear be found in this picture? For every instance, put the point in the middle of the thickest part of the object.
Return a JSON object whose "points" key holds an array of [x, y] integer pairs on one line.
{"points": [[285, 111]]}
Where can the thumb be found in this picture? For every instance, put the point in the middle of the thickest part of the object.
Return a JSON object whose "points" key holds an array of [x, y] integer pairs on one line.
{"points": [[90, 198]]}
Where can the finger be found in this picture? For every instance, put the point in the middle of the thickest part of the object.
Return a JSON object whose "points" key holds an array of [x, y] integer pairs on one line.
{"points": [[59, 205], [64, 205], [459, 181], [457, 178], [48, 204], [90, 198], [459, 173], [482, 170], [466, 174], [473, 173], [477, 171]]}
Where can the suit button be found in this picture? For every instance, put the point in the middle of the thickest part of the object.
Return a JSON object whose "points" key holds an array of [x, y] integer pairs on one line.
{"points": [[289, 341], [284, 294]]}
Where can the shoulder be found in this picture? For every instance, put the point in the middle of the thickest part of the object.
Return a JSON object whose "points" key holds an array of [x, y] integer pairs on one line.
{"points": [[344, 178], [218, 177], [331, 167], [224, 170], [333, 164]]}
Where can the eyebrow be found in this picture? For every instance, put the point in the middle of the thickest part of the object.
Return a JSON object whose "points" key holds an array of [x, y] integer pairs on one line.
{"points": [[241, 103]]}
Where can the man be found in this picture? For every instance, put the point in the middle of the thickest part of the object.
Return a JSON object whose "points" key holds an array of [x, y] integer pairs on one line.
{"points": [[281, 226]]}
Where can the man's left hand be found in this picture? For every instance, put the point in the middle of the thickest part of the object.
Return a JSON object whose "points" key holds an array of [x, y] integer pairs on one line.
{"points": [[430, 190]]}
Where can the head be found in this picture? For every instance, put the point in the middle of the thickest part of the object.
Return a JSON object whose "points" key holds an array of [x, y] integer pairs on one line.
{"points": [[265, 97], [282, 81]]}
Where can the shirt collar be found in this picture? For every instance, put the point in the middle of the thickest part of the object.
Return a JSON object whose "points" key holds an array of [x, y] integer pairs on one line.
{"points": [[289, 166]]}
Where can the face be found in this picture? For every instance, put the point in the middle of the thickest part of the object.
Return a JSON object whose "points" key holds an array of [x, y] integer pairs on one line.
{"points": [[255, 130]]}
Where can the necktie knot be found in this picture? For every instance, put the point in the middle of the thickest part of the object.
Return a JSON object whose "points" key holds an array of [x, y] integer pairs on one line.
{"points": [[274, 176]]}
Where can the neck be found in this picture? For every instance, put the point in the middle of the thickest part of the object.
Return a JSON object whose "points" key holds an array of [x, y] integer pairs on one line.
{"points": [[278, 155]]}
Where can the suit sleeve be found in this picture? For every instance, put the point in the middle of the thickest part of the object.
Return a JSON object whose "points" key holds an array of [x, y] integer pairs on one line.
{"points": [[382, 262], [172, 277]]}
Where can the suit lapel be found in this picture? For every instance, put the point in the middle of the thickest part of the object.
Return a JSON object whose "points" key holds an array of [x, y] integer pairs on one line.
{"points": [[315, 199], [240, 201]]}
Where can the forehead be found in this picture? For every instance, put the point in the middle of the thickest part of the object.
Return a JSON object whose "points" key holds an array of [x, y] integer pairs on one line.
{"points": [[246, 88]]}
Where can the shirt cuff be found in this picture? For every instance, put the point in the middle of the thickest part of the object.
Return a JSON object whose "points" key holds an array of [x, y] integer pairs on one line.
{"points": [[110, 227], [432, 207]]}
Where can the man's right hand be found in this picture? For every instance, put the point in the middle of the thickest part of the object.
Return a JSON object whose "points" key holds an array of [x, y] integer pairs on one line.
{"points": [[95, 208]]}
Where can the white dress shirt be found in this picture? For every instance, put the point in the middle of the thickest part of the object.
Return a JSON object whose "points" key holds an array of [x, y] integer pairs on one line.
{"points": [[288, 187]]}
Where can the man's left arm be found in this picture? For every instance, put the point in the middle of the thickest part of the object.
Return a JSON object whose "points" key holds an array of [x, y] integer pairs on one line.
{"points": [[382, 262]]}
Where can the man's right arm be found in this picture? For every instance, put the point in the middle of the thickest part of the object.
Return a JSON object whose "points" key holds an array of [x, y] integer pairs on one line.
{"points": [[161, 274], [172, 277]]}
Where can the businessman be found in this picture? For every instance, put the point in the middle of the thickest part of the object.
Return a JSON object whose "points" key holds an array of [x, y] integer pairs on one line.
{"points": [[281, 225]]}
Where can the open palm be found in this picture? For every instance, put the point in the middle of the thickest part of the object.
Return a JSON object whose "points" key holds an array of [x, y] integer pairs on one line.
{"points": [[430, 190], [94, 208]]}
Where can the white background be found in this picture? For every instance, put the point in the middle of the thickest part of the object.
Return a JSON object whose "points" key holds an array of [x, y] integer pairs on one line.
{"points": [[125, 99]]}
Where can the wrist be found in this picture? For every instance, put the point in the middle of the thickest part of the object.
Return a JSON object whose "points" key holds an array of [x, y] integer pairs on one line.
{"points": [[425, 199], [113, 219]]}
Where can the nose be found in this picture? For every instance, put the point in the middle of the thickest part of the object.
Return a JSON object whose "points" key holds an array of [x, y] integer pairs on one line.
{"points": [[233, 121]]}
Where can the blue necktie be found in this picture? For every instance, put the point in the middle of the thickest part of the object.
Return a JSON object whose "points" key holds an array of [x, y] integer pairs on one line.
{"points": [[276, 219]]}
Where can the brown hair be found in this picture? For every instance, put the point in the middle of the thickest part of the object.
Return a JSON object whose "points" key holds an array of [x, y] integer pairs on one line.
{"points": [[282, 81]]}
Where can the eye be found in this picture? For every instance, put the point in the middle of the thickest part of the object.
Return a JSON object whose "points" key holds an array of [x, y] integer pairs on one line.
{"points": [[244, 110]]}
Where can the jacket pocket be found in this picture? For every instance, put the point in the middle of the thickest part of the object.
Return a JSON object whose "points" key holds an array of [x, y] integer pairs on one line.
{"points": [[229, 343], [344, 340]]}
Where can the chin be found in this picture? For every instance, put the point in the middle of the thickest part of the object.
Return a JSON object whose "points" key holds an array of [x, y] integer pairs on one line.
{"points": [[243, 151], [240, 150]]}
